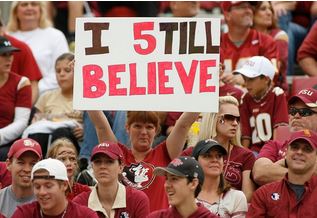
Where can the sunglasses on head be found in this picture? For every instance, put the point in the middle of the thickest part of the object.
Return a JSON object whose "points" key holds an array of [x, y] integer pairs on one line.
{"points": [[231, 118], [303, 112]]}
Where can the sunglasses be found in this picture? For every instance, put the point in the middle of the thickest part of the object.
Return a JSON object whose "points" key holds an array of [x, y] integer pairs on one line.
{"points": [[303, 112], [230, 117]]}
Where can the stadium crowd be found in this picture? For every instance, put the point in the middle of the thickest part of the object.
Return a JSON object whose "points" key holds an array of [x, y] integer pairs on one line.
{"points": [[256, 157]]}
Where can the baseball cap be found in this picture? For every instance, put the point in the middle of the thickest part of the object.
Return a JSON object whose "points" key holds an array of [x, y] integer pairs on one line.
{"points": [[56, 169], [183, 166], [308, 96], [204, 146], [306, 134], [226, 5], [108, 148], [5, 46], [256, 66], [22, 145]]}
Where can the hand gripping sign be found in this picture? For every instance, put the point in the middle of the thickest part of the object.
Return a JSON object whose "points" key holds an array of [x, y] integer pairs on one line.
{"points": [[153, 64]]}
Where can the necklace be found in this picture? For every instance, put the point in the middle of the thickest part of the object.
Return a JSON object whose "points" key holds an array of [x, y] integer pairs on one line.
{"points": [[42, 216]]}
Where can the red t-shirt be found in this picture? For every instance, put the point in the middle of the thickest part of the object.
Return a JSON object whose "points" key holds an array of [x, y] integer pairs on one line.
{"points": [[309, 45], [11, 97], [24, 62], [256, 44], [282, 58], [76, 190], [140, 174], [5, 176], [274, 150], [259, 118], [73, 211], [137, 204], [172, 212], [228, 89]]}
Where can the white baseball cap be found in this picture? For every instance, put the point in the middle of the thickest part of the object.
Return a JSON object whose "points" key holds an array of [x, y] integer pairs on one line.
{"points": [[56, 169], [256, 66]]}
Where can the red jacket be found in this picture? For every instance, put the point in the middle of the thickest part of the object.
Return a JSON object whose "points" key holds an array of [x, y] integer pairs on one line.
{"points": [[277, 199]]}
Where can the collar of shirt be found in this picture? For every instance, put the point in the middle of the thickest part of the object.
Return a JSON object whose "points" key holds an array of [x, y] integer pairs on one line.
{"points": [[119, 202]]}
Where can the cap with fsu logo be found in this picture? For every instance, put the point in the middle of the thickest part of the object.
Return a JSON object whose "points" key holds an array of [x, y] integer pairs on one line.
{"points": [[23, 145], [308, 96], [110, 149]]}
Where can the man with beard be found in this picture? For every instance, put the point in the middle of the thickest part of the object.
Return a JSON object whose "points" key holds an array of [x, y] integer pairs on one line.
{"points": [[296, 194], [22, 156], [241, 41], [271, 164]]}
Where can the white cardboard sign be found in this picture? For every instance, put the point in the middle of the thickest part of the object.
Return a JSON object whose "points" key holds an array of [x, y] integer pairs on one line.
{"points": [[147, 64]]}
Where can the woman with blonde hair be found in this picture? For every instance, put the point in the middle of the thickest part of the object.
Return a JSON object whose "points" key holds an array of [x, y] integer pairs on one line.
{"points": [[224, 127], [64, 150], [29, 23]]}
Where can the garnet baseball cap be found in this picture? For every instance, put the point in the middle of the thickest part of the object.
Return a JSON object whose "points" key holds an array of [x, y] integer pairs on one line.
{"points": [[22, 145], [308, 96], [110, 149], [5, 46], [226, 5], [183, 166], [56, 169], [306, 134], [257, 66], [204, 146]]}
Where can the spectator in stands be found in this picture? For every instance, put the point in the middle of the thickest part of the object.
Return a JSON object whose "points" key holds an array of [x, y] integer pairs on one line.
{"points": [[224, 127], [54, 113], [184, 178], [242, 42], [294, 195], [307, 53], [185, 8], [23, 154], [265, 21], [24, 62], [5, 176], [295, 18], [50, 185], [109, 198], [15, 99], [140, 160], [264, 107], [28, 22], [270, 165], [64, 150], [216, 194]]}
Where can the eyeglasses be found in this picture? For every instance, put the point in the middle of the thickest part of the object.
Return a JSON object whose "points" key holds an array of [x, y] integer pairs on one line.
{"points": [[303, 112], [231, 118]]}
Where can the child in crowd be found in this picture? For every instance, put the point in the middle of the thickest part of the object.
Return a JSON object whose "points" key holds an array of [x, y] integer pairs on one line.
{"points": [[64, 150], [263, 107], [183, 181]]}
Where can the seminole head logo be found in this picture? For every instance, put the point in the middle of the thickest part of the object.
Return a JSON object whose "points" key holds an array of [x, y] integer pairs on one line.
{"points": [[138, 175]]}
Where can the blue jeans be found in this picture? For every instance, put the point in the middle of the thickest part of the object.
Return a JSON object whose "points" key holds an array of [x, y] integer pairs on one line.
{"points": [[117, 122], [296, 34]]}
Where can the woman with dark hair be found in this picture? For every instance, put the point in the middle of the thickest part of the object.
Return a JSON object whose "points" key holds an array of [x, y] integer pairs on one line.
{"points": [[216, 194], [265, 21]]}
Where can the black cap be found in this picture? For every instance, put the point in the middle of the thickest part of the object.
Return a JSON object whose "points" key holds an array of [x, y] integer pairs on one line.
{"points": [[184, 166], [203, 147], [5, 46]]}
